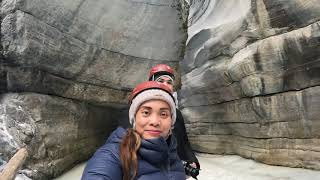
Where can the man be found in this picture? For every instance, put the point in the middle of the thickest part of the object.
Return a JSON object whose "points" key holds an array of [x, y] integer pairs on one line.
{"points": [[164, 74]]}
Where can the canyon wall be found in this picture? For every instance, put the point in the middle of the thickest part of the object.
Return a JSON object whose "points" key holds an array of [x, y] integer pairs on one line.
{"points": [[250, 80]]}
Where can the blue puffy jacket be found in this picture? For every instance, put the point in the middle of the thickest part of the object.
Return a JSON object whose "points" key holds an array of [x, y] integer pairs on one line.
{"points": [[157, 160]]}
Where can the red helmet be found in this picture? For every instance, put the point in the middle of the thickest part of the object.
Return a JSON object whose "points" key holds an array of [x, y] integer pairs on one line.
{"points": [[148, 85], [161, 69]]}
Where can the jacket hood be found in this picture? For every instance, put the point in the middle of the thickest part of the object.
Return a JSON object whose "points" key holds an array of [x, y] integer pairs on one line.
{"points": [[117, 135]]}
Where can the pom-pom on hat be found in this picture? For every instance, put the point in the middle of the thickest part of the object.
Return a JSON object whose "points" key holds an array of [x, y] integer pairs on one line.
{"points": [[150, 90]]}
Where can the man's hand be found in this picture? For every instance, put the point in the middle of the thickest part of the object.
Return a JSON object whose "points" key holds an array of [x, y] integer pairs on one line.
{"points": [[192, 169]]}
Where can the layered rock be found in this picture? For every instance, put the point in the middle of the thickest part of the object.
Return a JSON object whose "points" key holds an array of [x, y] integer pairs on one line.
{"points": [[58, 132], [280, 129], [27, 79], [250, 80], [67, 67]]}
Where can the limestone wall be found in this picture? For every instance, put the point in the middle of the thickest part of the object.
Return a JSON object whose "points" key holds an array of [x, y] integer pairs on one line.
{"points": [[250, 80]]}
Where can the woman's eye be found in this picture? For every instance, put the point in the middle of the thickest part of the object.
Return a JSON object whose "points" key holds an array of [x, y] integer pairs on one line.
{"points": [[145, 113], [164, 114]]}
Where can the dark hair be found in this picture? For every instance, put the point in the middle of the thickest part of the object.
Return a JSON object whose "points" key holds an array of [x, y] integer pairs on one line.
{"points": [[128, 154]]}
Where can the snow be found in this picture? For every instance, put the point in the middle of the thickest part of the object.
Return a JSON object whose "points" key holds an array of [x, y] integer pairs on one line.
{"points": [[237, 168], [230, 167]]}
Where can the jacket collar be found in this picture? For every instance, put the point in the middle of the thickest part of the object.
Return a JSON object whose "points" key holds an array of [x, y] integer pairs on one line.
{"points": [[153, 150], [157, 150]]}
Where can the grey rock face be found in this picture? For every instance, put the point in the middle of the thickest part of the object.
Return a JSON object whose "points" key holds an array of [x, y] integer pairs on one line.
{"points": [[57, 132], [18, 79], [43, 47], [250, 80], [285, 62], [67, 67], [67, 39]]}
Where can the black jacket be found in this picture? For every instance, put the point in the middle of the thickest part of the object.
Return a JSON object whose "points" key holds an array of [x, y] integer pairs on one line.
{"points": [[183, 145]]}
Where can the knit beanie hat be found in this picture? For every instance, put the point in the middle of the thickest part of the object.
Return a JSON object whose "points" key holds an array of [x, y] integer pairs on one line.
{"points": [[150, 90]]}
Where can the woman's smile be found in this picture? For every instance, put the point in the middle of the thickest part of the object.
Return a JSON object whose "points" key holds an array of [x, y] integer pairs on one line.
{"points": [[154, 132]]}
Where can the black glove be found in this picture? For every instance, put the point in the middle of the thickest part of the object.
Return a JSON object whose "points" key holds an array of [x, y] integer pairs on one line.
{"points": [[190, 170]]}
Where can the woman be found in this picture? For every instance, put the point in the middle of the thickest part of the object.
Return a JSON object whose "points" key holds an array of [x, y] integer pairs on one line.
{"points": [[146, 151]]}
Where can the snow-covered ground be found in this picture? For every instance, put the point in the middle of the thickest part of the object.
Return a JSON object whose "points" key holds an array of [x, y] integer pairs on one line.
{"points": [[217, 167]]}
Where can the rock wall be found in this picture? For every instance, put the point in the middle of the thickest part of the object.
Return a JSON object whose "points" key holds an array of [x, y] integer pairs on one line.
{"points": [[66, 69], [250, 80], [57, 131]]}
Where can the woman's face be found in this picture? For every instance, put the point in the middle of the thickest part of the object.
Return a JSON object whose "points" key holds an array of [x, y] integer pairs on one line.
{"points": [[153, 119]]}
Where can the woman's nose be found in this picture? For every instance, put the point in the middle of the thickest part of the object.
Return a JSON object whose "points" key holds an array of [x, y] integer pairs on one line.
{"points": [[155, 120]]}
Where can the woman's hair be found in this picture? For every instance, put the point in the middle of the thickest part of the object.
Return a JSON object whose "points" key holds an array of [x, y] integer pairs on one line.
{"points": [[128, 154]]}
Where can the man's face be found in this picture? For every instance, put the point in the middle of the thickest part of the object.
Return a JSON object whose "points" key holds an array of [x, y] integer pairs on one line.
{"points": [[166, 81]]}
